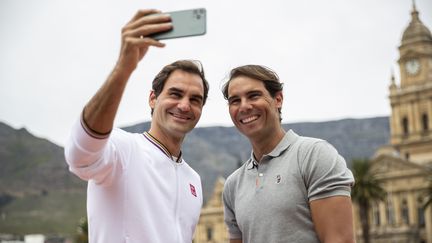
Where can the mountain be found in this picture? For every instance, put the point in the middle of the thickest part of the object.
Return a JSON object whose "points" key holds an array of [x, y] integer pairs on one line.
{"points": [[217, 151], [30, 165], [39, 194]]}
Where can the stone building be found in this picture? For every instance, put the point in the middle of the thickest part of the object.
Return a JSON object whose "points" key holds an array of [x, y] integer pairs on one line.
{"points": [[404, 165], [211, 227]]}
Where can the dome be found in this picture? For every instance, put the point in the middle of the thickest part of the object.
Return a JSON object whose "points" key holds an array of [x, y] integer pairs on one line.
{"points": [[416, 30]]}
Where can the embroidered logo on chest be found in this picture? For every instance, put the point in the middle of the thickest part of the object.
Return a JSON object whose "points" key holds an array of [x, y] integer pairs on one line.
{"points": [[192, 189]]}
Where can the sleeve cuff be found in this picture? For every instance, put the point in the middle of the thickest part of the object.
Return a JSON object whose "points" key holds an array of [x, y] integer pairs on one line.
{"points": [[92, 133]]}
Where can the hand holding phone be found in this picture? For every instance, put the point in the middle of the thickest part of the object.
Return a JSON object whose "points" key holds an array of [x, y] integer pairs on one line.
{"points": [[191, 22]]}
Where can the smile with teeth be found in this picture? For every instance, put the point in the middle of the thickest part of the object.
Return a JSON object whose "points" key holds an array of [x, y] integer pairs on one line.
{"points": [[249, 119]]}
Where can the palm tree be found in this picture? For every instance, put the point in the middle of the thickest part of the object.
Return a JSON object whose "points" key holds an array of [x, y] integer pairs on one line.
{"points": [[367, 188], [429, 192]]}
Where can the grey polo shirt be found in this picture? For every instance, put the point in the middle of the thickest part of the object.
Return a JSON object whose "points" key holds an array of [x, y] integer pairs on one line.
{"points": [[270, 203]]}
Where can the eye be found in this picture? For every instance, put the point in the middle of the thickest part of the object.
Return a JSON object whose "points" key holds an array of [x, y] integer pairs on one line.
{"points": [[196, 101], [233, 101], [253, 96], [175, 94]]}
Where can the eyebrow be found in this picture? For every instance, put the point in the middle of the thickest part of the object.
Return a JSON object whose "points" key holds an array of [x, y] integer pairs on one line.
{"points": [[174, 89], [247, 94], [254, 92]]}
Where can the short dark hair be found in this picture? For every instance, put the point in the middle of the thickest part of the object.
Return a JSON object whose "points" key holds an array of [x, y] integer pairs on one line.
{"points": [[262, 73], [190, 66]]}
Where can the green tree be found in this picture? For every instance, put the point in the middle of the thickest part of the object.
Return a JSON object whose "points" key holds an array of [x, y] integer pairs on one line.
{"points": [[367, 188], [82, 231]]}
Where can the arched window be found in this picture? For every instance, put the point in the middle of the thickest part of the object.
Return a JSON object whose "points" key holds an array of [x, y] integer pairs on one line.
{"points": [[209, 233], [425, 122], [405, 126], [420, 212], [390, 213], [404, 212], [376, 214]]}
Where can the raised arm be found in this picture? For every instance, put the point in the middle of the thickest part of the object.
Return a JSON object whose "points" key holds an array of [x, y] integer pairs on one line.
{"points": [[100, 111]]}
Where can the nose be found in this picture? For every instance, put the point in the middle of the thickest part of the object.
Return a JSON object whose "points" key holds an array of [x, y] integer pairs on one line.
{"points": [[245, 106], [184, 105]]}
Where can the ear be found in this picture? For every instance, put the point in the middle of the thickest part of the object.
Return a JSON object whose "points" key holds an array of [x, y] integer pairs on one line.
{"points": [[279, 99], [152, 99]]}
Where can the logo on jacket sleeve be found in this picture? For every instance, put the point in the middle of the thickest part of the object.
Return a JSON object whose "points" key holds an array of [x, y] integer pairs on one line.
{"points": [[193, 191]]}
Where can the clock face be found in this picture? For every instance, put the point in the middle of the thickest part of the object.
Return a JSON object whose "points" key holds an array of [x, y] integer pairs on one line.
{"points": [[412, 66]]}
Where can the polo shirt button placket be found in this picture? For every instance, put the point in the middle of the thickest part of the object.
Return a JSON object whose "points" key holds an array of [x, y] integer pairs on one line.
{"points": [[259, 180], [262, 168]]}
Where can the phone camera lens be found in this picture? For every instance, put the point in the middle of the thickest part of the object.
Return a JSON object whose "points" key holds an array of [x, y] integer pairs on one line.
{"points": [[197, 14]]}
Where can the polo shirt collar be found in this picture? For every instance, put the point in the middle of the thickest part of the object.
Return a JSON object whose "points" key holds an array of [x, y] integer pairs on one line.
{"points": [[289, 138], [162, 147]]}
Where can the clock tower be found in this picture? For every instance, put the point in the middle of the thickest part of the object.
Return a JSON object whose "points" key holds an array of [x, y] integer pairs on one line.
{"points": [[411, 102]]}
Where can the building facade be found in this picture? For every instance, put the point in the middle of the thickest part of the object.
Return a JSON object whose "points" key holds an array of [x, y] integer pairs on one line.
{"points": [[404, 165], [211, 227]]}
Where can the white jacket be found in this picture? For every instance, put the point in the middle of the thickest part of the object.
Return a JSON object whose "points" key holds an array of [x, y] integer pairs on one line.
{"points": [[136, 192]]}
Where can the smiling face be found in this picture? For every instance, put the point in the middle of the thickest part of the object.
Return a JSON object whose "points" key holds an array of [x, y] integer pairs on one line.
{"points": [[178, 107], [252, 109]]}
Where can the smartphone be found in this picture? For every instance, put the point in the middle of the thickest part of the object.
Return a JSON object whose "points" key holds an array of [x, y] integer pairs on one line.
{"points": [[191, 22]]}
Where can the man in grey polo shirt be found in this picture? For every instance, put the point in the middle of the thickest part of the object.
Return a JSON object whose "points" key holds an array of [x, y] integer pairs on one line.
{"points": [[293, 188]]}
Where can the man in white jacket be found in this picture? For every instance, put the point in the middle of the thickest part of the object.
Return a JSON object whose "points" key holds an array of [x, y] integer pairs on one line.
{"points": [[139, 187]]}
